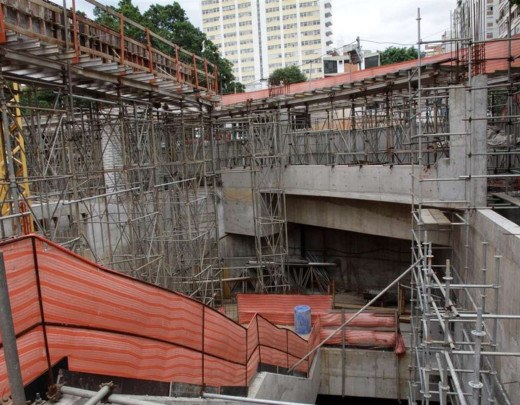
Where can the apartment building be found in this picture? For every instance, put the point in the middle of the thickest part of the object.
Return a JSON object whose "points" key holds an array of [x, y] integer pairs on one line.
{"points": [[259, 36], [505, 12], [477, 19]]}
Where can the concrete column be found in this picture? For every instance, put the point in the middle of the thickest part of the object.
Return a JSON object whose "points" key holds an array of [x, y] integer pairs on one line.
{"points": [[466, 110], [458, 111], [478, 141]]}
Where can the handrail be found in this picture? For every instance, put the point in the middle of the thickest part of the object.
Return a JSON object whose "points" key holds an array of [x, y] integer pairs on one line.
{"points": [[71, 32]]}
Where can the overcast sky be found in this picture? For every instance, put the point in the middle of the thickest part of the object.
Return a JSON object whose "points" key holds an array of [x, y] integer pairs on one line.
{"points": [[392, 21]]}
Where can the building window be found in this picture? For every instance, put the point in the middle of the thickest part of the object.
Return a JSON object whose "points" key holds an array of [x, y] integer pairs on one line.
{"points": [[309, 13], [210, 10], [311, 42], [309, 33], [309, 23]]}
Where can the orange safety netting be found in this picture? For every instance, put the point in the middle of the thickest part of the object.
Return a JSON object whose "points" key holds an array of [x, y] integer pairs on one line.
{"points": [[370, 329], [107, 323]]}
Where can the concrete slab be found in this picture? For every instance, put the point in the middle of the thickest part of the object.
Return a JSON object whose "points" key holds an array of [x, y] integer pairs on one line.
{"points": [[288, 388]]}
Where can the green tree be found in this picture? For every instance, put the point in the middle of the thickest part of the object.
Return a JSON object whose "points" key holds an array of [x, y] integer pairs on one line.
{"points": [[395, 54], [287, 75], [171, 23]]}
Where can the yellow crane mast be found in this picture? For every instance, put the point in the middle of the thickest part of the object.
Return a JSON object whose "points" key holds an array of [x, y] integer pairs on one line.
{"points": [[14, 175]]}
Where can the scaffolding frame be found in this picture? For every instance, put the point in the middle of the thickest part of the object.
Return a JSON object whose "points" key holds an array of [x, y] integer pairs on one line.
{"points": [[454, 339], [106, 145]]}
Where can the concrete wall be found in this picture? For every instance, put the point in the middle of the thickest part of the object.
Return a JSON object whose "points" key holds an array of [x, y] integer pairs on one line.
{"points": [[368, 373], [370, 182], [238, 202], [288, 388], [503, 238]]}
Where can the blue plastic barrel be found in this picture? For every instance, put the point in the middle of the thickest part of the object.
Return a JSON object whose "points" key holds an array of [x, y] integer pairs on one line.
{"points": [[302, 319]]}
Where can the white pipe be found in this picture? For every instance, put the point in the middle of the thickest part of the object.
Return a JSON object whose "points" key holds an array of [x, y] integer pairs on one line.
{"points": [[112, 398], [249, 400], [98, 396]]}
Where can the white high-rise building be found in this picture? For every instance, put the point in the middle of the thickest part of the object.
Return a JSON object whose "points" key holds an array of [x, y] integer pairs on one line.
{"points": [[504, 16], [259, 36], [477, 19]]}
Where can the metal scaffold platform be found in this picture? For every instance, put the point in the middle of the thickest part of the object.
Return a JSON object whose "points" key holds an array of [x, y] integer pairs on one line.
{"points": [[106, 144]]}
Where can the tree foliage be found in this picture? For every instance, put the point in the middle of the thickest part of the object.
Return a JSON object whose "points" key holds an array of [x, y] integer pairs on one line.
{"points": [[287, 75], [171, 23], [395, 54]]}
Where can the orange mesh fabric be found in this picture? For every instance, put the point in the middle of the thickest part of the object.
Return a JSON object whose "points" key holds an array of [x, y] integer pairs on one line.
{"points": [[107, 323]]}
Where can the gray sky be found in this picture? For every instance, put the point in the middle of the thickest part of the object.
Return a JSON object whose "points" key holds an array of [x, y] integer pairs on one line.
{"points": [[375, 20]]}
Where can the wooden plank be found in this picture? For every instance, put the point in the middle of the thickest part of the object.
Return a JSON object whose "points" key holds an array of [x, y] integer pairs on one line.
{"points": [[426, 217], [439, 216], [432, 216]]}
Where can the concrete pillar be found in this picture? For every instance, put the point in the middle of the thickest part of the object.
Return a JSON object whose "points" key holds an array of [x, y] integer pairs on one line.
{"points": [[466, 110], [478, 141]]}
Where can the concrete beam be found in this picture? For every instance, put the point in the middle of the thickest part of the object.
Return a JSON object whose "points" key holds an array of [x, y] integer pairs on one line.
{"points": [[368, 217]]}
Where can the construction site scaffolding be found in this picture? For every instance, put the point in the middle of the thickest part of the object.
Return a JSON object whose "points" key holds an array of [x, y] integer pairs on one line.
{"points": [[454, 324], [98, 159]]}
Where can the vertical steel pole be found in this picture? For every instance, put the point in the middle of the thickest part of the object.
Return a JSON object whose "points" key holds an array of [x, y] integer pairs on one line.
{"points": [[12, 360], [484, 277], [343, 359], [476, 384]]}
